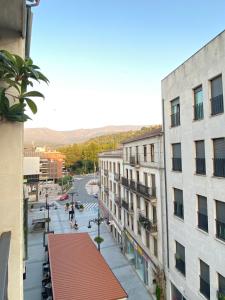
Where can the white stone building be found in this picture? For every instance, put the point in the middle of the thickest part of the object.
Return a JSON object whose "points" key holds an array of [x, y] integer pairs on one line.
{"points": [[194, 132]]}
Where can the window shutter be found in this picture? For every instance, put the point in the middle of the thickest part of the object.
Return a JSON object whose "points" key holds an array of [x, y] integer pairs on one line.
{"points": [[220, 211], [204, 270], [202, 205], [219, 148], [216, 87], [200, 149], [177, 150]]}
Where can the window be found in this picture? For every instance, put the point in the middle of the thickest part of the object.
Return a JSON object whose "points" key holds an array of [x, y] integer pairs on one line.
{"points": [[153, 185], [217, 96], [137, 155], [154, 215], [221, 287], [178, 203], [137, 176], [152, 150], [146, 179], [146, 210], [114, 167], [145, 153], [126, 149], [155, 247], [220, 220], [114, 187], [131, 174], [139, 228], [176, 160], [127, 173], [204, 280], [176, 295], [118, 168], [180, 258], [219, 157], [200, 157], [138, 202], [175, 112], [202, 213], [110, 166], [147, 238], [198, 104]]}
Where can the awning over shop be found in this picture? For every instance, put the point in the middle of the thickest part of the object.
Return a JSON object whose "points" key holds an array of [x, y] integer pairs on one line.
{"points": [[4, 257], [78, 270]]}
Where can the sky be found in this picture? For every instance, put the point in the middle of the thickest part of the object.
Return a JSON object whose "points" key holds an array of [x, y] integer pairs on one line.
{"points": [[105, 59]]}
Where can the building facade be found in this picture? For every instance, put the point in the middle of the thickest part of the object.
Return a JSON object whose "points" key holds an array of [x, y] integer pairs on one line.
{"points": [[135, 198], [194, 120]]}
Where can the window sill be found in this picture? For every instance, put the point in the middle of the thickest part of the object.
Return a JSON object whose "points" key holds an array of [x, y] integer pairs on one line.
{"points": [[219, 240], [218, 177], [176, 171], [220, 113], [171, 127], [198, 174], [178, 218], [197, 120], [202, 231]]}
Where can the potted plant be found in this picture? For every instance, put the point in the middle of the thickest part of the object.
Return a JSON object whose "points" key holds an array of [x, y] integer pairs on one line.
{"points": [[16, 75], [98, 240], [81, 208]]}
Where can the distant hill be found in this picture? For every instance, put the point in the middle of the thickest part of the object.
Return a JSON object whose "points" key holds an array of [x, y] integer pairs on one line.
{"points": [[53, 138]]}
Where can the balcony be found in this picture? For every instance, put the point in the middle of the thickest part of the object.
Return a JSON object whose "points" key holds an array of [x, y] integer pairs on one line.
{"points": [[175, 119], [221, 295], [219, 167], [117, 200], [180, 264], [217, 105], [147, 224], [204, 288], [146, 191], [125, 205], [178, 209], [134, 160], [125, 182], [106, 172], [203, 221], [198, 111], [220, 230], [177, 164], [117, 177], [200, 166]]}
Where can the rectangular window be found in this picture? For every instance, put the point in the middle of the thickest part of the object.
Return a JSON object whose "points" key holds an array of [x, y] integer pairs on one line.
{"points": [[137, 176], [202, 213], [198, 104], [146, 210], [147, 239], [154, 214], [146, 179], [180, 258], [219, 157], [110, 166], [137, 155], [176, 295], [220, 220], [145, 153], [178, 203], [204, 280], [139, 228], [217, 106], [175, 112], [176, 159], [138, 202], [221, 287], [155, 247], [126, 149], [152, 150], [131, 174], [114, 167], [200, 157]]}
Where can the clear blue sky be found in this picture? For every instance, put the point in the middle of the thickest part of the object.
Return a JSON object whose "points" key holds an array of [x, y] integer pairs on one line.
{"points": [[105, 58]]}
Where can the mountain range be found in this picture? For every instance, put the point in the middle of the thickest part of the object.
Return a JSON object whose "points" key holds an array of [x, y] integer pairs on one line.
{"points": [[53, 138]]}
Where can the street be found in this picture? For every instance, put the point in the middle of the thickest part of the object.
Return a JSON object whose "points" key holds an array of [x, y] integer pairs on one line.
{"points": [[60, 224]]}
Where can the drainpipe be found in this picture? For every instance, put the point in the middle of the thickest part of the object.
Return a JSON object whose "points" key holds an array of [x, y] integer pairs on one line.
{"points": [[165, 179]]}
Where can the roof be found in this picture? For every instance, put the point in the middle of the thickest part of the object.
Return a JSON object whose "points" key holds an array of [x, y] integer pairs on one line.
{"points": [[116, 153], [149, 134], [78, 270]]}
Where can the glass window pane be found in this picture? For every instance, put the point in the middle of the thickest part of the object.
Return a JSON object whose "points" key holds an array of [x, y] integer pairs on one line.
{"points": [[200, 149], [216, 86], [204, 271], [176, 150], [219, 148], [198, 95], [202, 205], [220, 211]]}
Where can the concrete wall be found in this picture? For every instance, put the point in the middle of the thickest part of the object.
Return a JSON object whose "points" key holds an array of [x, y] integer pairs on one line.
{"points": [[11, 184], [199, 69], [31, 165]]}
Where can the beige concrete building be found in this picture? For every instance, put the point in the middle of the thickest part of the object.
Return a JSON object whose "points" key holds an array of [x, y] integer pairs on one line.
{"points": [[194, 125], [14, 37]]}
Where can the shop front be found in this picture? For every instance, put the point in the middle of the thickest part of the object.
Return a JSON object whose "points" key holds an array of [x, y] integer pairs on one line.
{"points": [[137, 257]]}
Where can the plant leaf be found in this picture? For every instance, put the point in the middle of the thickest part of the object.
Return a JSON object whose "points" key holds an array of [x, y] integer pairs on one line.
{"points": [[33, 94], [32, 105]]}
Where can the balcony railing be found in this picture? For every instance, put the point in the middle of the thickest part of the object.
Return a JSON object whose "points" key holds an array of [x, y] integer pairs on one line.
{"points": [[175, 119], [146, 191], [221, 294], [200, 166], [219, 167], [177, 164], [147, 224], [203, 221], [106, 172], [217, 106], [180, 264], [198, 111], [204, 288], [125, 181], [220, 230], [125, 205], [116, 176], [178, 210], [133, 185]]}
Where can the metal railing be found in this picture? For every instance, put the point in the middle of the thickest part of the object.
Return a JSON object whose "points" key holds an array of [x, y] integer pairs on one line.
{"points": [[219, 167], [125, 181], [198, 111], [204, 288], [202, 221], [180, 264], [147, 224], [217, 106], [177, 164], [133, 185], [175, 119], [200, 166], [220, 230], [146, 191], [178, 210]]}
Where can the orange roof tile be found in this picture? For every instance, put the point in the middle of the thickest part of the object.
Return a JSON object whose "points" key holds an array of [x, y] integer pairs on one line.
{"points": [[78, 270]]}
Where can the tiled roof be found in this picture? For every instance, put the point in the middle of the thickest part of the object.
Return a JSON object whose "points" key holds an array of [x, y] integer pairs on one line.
{"points": [[78, 270], [152, 133]]}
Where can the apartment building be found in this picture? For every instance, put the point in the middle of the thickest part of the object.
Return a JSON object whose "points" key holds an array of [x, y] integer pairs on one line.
{"points": [[132, 192], [15, 29], [194, 132], [111, 172]]}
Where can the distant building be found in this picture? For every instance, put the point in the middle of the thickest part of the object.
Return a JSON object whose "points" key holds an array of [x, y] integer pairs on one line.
{"points": [[194, 124], [31, 172]]}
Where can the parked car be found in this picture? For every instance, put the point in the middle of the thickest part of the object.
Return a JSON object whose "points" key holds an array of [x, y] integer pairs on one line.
{"points": [[63, 197]]}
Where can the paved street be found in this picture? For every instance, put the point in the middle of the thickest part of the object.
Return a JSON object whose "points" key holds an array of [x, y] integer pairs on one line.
{"points": [[60, 224]]}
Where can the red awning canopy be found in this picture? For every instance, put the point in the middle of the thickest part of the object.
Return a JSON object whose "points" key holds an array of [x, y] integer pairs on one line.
{"points": [[78, 270]]}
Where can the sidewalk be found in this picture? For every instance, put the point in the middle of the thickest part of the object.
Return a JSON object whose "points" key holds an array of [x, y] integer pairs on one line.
{"points": [[109, 249]]}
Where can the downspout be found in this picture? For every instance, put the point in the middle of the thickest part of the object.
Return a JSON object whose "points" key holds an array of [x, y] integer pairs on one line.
{"points": [[165, 179]]}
